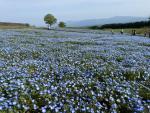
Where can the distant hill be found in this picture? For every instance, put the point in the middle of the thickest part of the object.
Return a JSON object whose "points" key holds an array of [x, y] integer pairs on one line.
{"points": [[92, 22], [13, 25]]}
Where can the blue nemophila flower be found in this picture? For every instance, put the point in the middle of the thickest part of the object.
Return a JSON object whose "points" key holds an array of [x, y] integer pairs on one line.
{"points": [[60, 71]]}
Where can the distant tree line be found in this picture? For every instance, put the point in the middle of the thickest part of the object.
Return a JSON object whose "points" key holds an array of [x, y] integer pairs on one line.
{"points": [[127, 25], [123, 25]]}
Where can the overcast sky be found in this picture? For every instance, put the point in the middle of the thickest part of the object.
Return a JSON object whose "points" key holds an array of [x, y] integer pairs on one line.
{"points": [[33, 11]]}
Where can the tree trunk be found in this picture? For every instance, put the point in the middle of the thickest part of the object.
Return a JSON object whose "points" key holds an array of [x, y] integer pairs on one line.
{"points": [[48, 26]]}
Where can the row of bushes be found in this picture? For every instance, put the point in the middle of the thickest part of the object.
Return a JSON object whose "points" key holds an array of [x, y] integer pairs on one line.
{"points": [[123, 25]]}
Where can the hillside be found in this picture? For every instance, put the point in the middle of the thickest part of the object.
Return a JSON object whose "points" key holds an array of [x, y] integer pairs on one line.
{"points": [[92, 22], [13, 25], [79, 71]]}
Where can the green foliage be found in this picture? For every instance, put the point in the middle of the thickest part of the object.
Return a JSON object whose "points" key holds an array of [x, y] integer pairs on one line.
{"points": [[35, 55], [119, 58], [144, 93], [50, 20], [62, 24], [134, 75], [32, 69], [144, 44]]}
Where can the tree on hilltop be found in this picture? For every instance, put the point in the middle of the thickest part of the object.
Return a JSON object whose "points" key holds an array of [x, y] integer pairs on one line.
{"points": [[50, 20]]}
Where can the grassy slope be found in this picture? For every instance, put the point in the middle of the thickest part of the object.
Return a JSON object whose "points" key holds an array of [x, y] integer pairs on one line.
{"points": [[4, 25], [12, 27]]}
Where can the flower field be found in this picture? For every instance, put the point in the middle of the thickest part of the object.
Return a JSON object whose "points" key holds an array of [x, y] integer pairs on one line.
{"points": [[45, 71]]}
